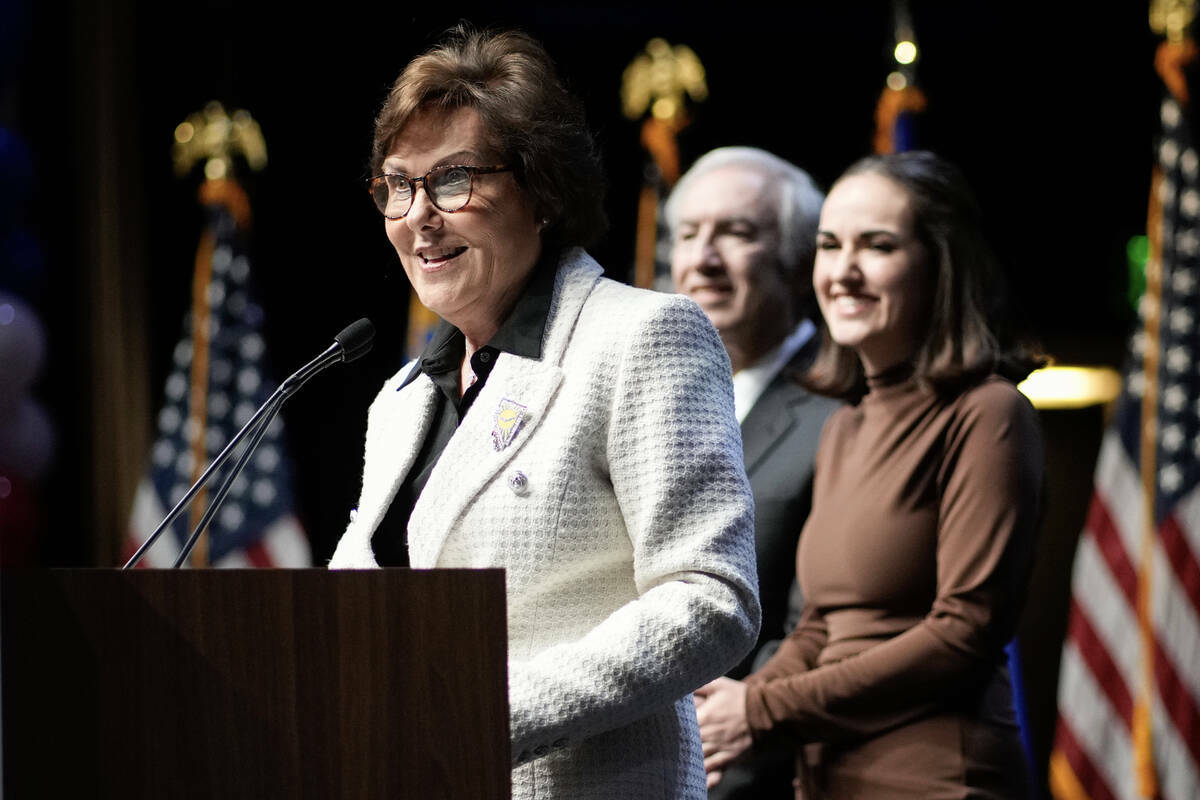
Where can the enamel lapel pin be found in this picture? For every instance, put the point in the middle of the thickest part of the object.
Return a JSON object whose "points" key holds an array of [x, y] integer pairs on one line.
{"points": [[509, 418]]}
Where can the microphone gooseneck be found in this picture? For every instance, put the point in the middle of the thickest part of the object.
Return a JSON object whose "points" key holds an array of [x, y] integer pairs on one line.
{"points": [[352, 343]]}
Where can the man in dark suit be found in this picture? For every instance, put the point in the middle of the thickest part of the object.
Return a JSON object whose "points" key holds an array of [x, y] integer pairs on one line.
{"points": [[743, 225]]}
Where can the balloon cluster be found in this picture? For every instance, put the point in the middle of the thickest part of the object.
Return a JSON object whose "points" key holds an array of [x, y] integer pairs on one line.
{"points": [[26, 432]]}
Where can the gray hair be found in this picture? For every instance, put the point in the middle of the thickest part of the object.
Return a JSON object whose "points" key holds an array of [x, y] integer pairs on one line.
{"points": [[797, 203]]}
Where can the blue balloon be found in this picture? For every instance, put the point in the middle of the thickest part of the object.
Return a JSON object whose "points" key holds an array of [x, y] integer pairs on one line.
{"points": [[22, 351]]}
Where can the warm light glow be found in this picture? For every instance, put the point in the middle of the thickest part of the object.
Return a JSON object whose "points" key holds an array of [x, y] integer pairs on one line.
{"points": [[906, 52], [214, 169], [184, 132], [1071, 387], [896, 81]]}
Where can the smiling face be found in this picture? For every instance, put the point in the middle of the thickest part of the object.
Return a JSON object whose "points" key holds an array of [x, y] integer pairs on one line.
{"points": [[871, 275], [725, 256], [470, 266]]}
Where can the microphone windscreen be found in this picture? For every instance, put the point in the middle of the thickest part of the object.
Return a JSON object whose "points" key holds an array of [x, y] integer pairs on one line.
{"points": [[356, 339]]}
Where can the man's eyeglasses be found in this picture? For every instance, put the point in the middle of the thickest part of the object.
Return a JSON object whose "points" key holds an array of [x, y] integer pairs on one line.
{"points": [[448, 188]]}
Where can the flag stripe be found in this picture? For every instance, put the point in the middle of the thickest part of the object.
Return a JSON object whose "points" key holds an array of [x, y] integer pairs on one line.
{"points": [[1187, 513], [1110, 615], [1120, 486], [258, 555], [1177, 617], [1103, 669], [286, 544], [1181, 559], [1108, 539], [1171, 686], [1176, 765], [1095, 725], [148, 510], [1085, 773], [1179, 705]]}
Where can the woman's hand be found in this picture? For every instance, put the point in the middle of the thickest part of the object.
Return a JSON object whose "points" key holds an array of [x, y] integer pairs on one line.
{"points": [[724, 732]]}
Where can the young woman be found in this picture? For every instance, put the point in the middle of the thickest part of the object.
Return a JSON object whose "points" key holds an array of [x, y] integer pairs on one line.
{"points": [[915, 557]]}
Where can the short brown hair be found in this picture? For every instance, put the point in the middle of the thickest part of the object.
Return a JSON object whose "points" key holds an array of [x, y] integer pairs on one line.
{"points": [[537, 125], [967, 337]]}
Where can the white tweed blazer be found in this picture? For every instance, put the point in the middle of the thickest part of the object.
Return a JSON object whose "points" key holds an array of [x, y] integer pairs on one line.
{"points": [[621, 513]]}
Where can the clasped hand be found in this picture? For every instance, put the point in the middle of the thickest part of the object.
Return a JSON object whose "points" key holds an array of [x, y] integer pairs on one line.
{"points": [[724, 732]]}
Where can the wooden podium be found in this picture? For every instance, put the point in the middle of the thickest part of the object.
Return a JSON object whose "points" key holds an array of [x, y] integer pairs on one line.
{"points": [[254, 683]]}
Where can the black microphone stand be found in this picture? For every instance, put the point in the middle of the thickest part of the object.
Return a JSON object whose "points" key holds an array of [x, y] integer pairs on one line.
{"points": [[271, 407], [348, 345]]}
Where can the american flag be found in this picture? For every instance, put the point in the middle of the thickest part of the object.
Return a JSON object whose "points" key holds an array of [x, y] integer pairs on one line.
{"points": [[216, 384], [1129, 686]]}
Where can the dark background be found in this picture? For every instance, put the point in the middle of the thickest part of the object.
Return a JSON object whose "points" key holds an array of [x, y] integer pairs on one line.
{"points": [[1050, 111]]}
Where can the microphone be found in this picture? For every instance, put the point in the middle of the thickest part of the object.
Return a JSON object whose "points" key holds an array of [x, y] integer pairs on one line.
{"points": [[351, 344], [356, 339]]}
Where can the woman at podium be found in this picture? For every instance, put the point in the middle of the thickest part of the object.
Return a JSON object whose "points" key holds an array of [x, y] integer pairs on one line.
{"points": [[574, 431]]}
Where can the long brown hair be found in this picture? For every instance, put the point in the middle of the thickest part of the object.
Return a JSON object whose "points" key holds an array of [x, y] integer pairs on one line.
{"points": [[968, 336]]}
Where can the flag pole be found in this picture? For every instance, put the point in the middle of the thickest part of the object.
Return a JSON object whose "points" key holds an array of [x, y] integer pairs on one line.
{"points": [[1145, 554], [658, 82], [198, 385], [901, 100]]}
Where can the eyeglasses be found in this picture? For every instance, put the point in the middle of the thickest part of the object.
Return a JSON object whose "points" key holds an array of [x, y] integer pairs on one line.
{"points": [[448, 188]]}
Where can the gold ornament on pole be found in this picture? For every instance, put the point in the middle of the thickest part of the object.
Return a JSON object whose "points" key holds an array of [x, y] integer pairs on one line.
{"points": [[901, 100], [214, 137], [659, 81], [660, 78], [1171, 18]]}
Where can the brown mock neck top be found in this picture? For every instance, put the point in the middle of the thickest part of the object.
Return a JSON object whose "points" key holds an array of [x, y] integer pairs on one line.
{"points": [[913, 563]]}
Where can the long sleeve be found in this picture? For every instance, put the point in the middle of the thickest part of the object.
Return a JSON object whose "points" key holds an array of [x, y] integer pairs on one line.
{"points": [[979, 465], [618, 507], [672, 451], [797, 651]]}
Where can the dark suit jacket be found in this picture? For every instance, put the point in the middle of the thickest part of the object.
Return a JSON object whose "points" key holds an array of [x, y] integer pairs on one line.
{"points": [[779, 442]]}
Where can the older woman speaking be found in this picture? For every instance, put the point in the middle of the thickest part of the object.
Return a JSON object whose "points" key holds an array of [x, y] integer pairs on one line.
{"points": [[574, 431]]}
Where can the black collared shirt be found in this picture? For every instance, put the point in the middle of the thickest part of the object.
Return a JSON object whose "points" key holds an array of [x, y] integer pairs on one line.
{"points": [[520, 335]]}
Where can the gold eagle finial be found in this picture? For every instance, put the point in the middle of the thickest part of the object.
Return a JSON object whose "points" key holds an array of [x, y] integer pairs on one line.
{"points": [[215, 137], [659, 79], [1171, 18]]}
